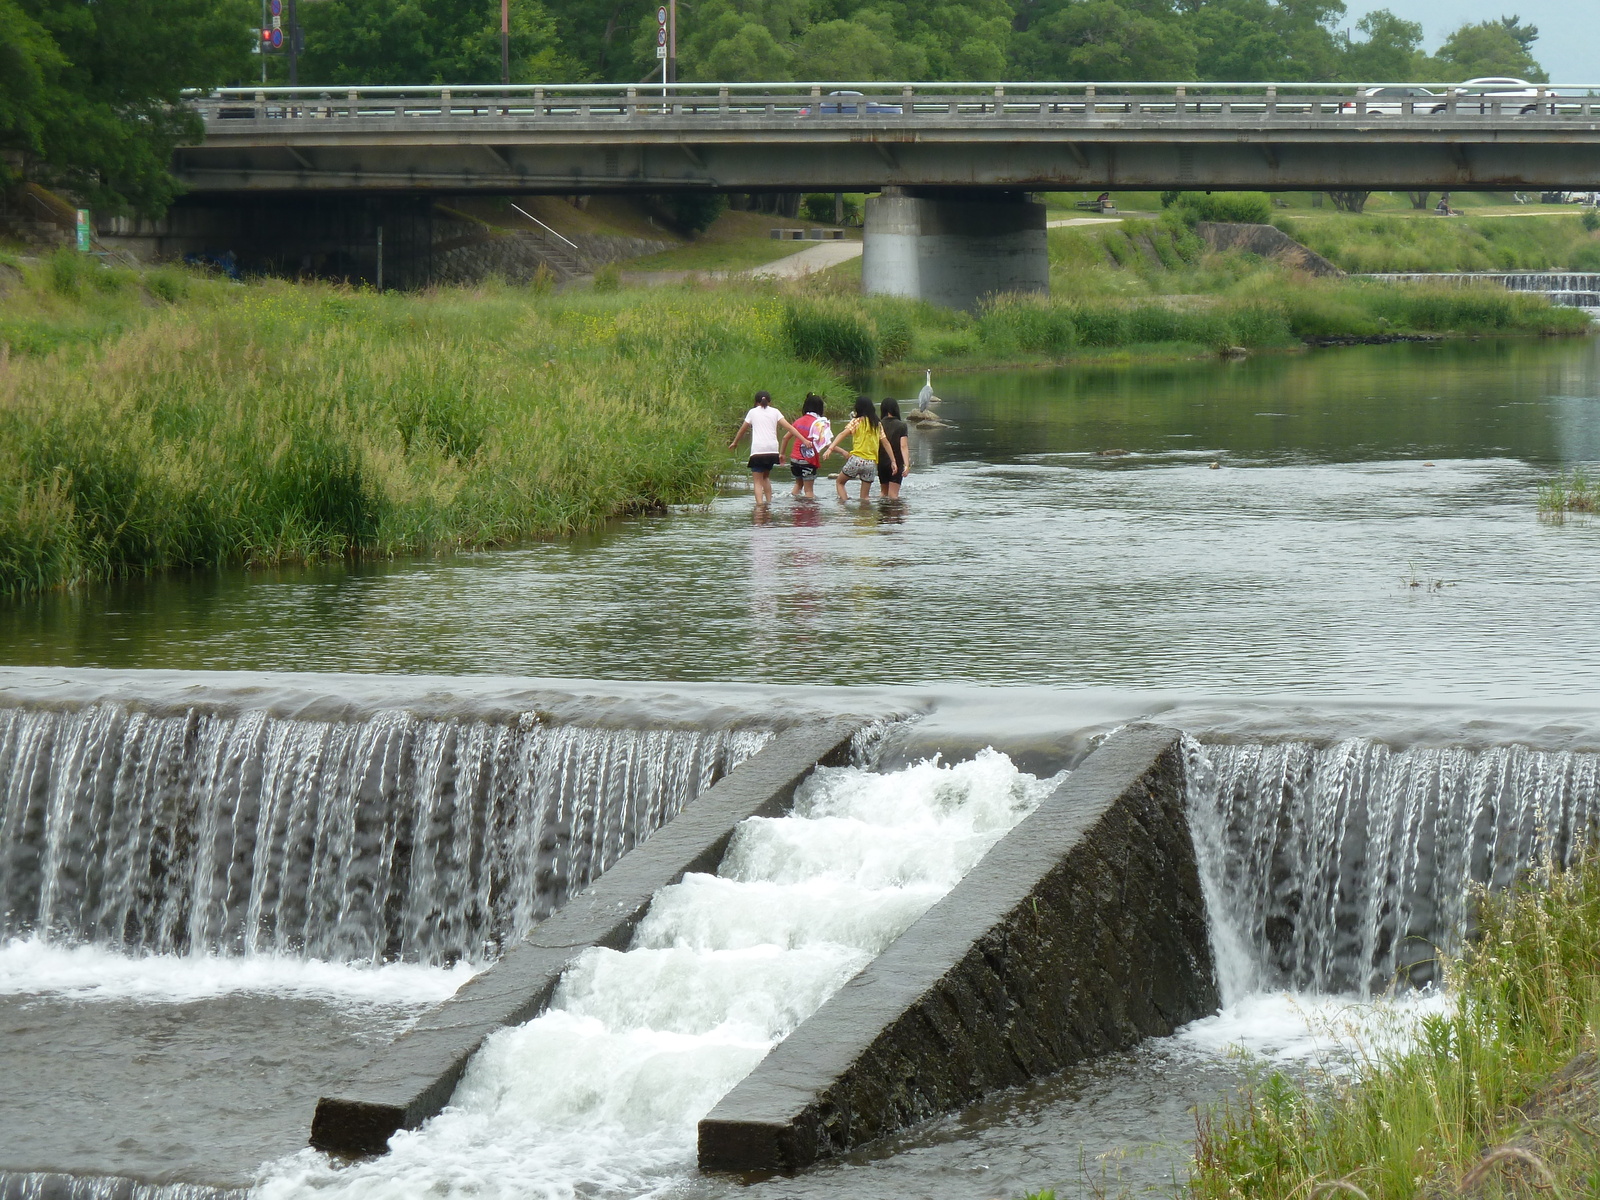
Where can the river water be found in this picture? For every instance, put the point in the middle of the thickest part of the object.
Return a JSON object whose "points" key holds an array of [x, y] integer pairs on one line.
{"points": [[1019, 554], [1354, 528]]}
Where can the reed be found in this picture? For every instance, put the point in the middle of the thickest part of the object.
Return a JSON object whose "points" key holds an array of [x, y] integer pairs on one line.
{"points": [[1565, 495], [283, 423], [1504, 1085]]}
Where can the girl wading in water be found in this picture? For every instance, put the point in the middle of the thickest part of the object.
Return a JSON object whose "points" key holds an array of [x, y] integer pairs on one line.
{"points": [[763, 421], [805, 455], [895, 464], [866, 442]]}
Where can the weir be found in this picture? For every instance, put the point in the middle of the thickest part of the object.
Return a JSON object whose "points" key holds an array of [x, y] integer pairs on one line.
{"points": [[1081, 932], [414, 1078], [391, 837]]}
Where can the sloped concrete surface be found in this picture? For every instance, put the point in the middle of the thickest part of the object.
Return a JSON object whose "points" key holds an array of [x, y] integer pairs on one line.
{"points": [[414, 1078], [1081, 932]]}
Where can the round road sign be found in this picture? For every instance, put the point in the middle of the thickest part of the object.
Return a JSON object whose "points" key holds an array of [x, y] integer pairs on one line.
{"points": [[277, 39]]}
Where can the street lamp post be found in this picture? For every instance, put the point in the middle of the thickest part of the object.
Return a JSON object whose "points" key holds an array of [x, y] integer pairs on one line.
{"points": [[672, 41], [505, 41]]}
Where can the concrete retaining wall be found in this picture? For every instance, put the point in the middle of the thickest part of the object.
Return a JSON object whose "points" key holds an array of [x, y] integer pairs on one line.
{"points": [[1081, 932], [414, 1078]]}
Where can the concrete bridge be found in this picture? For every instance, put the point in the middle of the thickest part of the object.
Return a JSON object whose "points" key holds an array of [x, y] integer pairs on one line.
{"points": [[953, 162]]}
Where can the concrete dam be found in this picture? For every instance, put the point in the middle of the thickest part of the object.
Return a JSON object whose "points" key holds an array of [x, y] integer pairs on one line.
{"points": [[527, 940]]}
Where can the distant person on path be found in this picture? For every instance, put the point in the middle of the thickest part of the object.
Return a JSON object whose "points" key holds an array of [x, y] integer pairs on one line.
{"points": [[894, 463], [1444, 209], [812, 435], [866, 441], [763, 421]]}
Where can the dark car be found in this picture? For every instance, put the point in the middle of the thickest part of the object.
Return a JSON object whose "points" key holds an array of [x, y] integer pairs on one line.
{"points": [[851, 108]]}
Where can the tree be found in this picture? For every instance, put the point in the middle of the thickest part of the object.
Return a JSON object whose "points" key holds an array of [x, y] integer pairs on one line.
{"points": [[1391, 50], [428, 41], [1267, 39], [89, 93], [1102, 40], [1489, 48], [1350, 202]]}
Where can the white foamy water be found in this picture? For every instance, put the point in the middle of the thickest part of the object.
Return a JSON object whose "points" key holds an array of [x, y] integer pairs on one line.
{"points": [[602, 1094], [1312, 1030], [31, 967]]}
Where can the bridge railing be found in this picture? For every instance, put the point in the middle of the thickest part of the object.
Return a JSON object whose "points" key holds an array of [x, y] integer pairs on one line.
{"points": [[897, 103]]}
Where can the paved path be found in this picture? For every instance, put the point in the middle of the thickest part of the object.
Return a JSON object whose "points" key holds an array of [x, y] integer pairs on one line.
{"points": [[806, 262]]}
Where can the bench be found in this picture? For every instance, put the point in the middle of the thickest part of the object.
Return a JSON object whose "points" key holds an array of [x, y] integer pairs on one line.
{"points": [[1101, 206]]}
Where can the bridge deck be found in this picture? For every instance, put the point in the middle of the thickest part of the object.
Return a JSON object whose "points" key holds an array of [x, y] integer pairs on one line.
{"points": [[1024, 136]]}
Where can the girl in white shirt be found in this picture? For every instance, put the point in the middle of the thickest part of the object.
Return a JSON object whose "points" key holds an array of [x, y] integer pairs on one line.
{"points": [[763, 421]]}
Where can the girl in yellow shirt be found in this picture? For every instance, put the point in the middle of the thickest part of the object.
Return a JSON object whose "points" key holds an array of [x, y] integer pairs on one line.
{"points": [[866, 439]]}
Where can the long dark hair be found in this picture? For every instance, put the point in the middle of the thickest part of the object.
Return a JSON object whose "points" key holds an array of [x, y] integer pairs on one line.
{"points": [[813, 404], [891, 407], [864, 409]]}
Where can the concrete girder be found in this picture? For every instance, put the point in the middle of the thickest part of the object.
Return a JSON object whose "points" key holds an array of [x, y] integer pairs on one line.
{"points": [[564, 165]]}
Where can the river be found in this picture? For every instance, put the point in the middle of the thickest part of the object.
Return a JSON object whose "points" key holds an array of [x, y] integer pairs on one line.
{"points": [[1355, 529]]}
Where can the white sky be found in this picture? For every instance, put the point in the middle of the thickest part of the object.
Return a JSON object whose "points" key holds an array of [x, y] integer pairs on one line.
{"points": [[1569, 30]]}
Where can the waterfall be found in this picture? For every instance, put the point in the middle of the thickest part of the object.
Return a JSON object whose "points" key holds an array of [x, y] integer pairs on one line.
{"points": [[1348, 867], [601, 1094], [1571, 289], [51, 1185], [389, 838]]}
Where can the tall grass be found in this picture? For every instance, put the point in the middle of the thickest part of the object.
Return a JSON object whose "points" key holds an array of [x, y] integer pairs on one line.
{"points": [[1418, 1120], [1378, 244], [295, 423], [1576, 493]]}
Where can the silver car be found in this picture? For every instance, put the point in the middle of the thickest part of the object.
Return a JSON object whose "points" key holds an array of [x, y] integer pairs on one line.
{"points": [[1390, 101]]}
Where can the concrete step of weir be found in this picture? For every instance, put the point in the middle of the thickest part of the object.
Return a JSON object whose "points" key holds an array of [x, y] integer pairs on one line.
{"points": [[1081, 932], [413, 1078]]}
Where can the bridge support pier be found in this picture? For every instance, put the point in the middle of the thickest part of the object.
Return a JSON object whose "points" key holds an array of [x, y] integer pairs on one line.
{"points": [[953, 247]]}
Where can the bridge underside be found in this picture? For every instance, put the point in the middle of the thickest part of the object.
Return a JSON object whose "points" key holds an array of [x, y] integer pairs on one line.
{"points": [[261, 155]]}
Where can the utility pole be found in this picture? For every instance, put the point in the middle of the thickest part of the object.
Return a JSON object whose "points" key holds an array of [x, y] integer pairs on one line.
{"points": [[294, 46], [672, 41], [505, 41]]}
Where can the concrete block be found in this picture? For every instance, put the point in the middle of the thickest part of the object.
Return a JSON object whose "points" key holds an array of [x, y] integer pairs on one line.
{"points": [[414, 1077], [1081, 932]]}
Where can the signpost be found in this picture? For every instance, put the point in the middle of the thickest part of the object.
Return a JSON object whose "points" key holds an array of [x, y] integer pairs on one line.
{"points": [[83, 231]]}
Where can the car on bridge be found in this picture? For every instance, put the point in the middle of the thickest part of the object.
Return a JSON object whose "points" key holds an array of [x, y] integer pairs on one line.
{"points": [[858, 106], [1391, 101], [1480, 95]]}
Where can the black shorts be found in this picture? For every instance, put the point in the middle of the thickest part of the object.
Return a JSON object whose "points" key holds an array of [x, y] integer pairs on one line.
{"points": [[762, 464], [886, 476], [802, 470]]}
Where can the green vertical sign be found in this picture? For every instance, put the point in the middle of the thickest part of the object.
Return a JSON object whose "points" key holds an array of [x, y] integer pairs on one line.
{"points": [[83, 230]]}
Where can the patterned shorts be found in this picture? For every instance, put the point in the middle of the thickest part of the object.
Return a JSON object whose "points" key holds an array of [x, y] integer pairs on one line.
{"points": [[863, 470]]}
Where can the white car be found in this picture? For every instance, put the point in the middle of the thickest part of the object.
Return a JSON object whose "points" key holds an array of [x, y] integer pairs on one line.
{"points": [[1479, 95], [1390, 101]]}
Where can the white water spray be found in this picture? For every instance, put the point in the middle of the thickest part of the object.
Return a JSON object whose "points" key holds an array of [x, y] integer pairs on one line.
{"points": [[602, 1094]]}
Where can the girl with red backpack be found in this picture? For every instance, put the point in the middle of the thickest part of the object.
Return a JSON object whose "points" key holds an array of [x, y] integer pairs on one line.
{"points": [[812, 435]]}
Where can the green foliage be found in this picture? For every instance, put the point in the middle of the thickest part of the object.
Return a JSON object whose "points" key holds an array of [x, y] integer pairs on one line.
{"points": [[1251, 208], [818, 206], [1490, 48], [1372, 243], [608, 278], [1411, 1119], [1569, 494], [258, 430], [693, 212], [89, 92], [831, 330], [1591, 219], [428, 41]]}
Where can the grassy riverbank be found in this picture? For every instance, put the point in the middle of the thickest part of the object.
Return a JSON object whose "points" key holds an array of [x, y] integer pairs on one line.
{"points": [[1375, 244], [170, 421], [158, 420], [1499, 1098]]}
